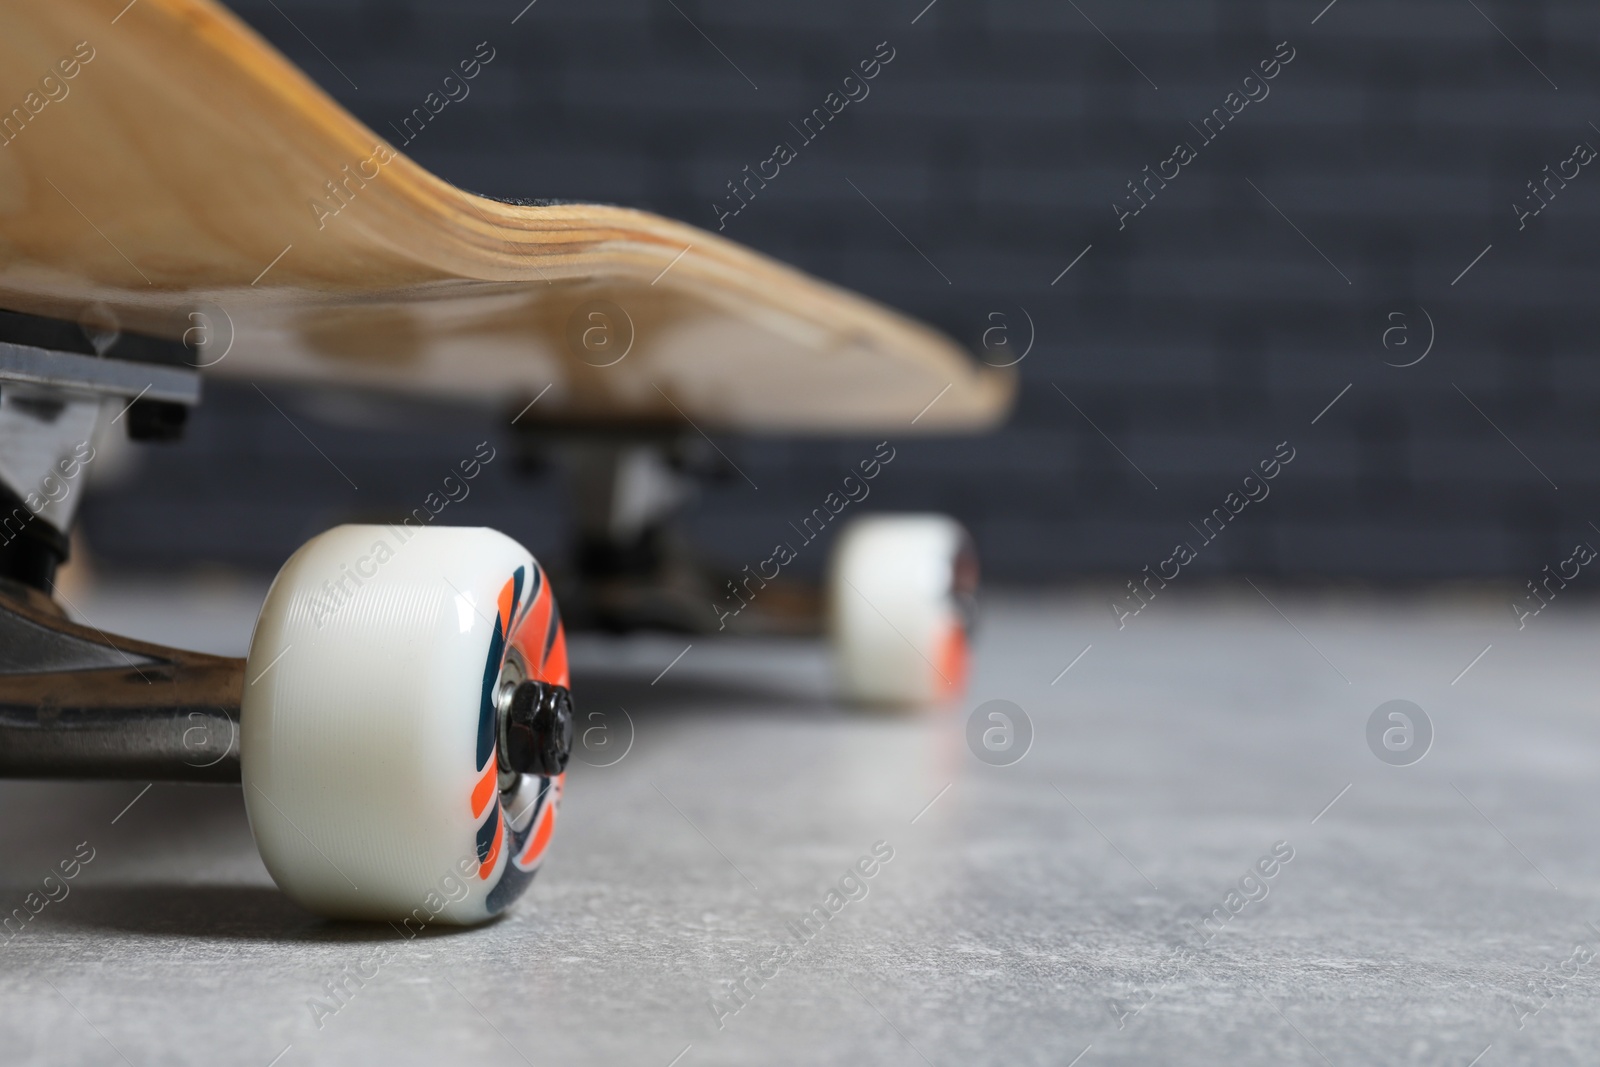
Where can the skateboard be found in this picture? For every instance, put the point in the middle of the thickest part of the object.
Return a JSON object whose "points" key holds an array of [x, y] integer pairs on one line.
{"points": [[177, 198]]}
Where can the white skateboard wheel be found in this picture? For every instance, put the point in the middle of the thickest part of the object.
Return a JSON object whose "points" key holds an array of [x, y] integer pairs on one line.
{"points": [[368, 732], [900, 609]]}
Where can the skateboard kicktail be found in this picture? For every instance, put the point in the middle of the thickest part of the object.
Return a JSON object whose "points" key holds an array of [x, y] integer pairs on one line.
{"points": [[177, 200]]}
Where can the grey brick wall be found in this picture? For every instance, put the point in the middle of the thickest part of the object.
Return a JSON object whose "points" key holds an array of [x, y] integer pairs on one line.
{"points": [[1213, 326]]}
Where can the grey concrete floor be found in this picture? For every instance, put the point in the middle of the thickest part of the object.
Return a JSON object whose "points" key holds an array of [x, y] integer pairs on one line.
{"points": [[1031, 913]]}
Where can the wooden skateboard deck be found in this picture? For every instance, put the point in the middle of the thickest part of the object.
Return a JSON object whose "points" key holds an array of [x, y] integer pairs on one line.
{"points": [[162, 166]]}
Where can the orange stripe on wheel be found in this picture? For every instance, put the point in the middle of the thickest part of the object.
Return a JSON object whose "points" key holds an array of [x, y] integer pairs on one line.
{"points": [[485, 789], [535, 623], [541, 836], [953, 661], [487, 868], [554, 669]]}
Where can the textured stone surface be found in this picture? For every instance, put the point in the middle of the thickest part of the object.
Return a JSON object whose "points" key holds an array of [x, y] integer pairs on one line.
{"points": [[1403, 930]]}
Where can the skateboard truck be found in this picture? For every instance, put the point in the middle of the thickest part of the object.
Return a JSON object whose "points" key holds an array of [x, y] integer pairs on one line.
{"points": [[75, 702]]}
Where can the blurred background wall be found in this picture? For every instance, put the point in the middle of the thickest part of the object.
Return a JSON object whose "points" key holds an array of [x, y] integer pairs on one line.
{"points": [[1372, 198]]}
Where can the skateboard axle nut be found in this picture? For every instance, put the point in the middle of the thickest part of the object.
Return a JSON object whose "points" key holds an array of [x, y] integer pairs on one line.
{"points": [[536, 727]]}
